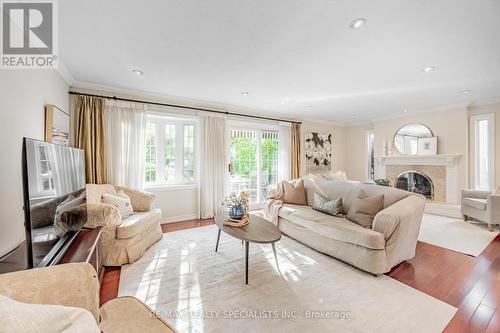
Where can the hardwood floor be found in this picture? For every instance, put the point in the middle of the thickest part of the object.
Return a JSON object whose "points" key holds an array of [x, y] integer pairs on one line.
{"points": [[470, 284]]}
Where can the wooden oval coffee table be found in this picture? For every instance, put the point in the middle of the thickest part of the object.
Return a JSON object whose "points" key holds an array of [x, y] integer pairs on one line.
{"points": [[258, 230]]}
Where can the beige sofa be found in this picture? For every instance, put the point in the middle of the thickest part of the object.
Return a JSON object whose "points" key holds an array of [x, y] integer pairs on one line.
{"points": [[123, 241], [483, 206], [391, 240], [76, 285]]}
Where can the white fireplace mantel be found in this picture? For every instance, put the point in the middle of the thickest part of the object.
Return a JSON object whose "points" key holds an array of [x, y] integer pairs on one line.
{"points": [[450, 161], [441, 159]]}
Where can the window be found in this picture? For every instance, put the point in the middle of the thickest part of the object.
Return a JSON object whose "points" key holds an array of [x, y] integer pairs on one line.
{"points": [[44, 170], [269, 161], [170, 150], [483, 132], [254, 161], [370, 157]]}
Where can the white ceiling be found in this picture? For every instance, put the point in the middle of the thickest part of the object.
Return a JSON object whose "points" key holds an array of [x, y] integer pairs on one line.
{"points": [[290, 54]]}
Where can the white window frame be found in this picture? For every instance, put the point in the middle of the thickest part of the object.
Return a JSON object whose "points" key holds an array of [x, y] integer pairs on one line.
{"points": [[490, 118], [161, 121], [369, 134]]}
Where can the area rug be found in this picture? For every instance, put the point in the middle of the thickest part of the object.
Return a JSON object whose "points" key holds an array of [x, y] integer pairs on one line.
{"points": [[454, 234], [198, 290]]}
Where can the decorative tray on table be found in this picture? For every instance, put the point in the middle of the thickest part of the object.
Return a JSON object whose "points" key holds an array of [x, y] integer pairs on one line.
{"points": [[237, 223]]}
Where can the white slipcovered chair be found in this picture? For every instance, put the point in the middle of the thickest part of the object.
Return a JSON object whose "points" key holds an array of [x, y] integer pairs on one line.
{"points": [[123, 241], [483, 206]]}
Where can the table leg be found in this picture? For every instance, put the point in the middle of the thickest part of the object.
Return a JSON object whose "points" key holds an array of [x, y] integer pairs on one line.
{"points": [[275, 256], [246, 262], [218, 237]]}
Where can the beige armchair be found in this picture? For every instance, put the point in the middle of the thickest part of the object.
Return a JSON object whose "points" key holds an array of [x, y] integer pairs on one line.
{"points": [[123, 241], [76, 285], [481, 205]]}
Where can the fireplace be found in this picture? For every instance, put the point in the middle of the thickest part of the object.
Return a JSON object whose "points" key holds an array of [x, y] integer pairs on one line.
{"points": [[417, 182]]}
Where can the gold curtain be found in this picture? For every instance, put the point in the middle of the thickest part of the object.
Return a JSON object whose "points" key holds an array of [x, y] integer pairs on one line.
{"points": [[89, 135], [295, 150]]}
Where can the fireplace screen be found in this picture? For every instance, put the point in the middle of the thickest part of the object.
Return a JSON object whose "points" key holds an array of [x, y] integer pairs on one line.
{"points": [[417, 182]]}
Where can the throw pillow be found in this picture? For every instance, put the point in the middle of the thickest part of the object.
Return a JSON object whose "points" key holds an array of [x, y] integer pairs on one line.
{"points": [[120, 201], [295, 195], [95, 192], [326, 205], [363, 208], [26, 317]]}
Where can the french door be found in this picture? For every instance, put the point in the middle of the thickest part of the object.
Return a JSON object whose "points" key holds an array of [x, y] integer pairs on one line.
{"points": [[254, 161]]}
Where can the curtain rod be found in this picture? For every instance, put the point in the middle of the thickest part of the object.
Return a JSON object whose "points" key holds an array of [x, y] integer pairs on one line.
{"points": [[183, 107]]}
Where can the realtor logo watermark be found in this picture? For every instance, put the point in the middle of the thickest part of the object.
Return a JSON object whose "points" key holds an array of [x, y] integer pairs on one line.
{"points": [[29, 34]]}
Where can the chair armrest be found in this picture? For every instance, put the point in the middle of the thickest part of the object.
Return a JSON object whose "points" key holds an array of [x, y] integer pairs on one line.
{"points": [[493, 204], [142, 201], [128, 314], [475, 194], [74, 284]]}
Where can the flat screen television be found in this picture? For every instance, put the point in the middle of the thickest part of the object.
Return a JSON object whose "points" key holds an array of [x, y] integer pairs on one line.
{"points": [[52, 175]]}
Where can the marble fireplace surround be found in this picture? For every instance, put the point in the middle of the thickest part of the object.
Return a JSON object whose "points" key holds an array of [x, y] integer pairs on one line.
{"points": [[442, 169]]}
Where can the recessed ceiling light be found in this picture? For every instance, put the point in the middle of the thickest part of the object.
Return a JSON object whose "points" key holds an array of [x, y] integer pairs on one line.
{"points": [[428, 69], [244, 93], [357, 23], [464, 92], [138, 72], [405, 110]]}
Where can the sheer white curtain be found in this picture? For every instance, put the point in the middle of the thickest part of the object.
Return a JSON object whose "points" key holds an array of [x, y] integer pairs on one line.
{"points": [[213, 163], [125, 143], [285, 150]]}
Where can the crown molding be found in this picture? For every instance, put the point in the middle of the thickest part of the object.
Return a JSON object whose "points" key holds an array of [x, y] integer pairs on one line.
{"points": [[85, 87], [462, 106], [65, 74], [484, 102]]}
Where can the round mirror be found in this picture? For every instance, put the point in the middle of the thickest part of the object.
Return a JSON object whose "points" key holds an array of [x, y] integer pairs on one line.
{"points": [[406, 138]]}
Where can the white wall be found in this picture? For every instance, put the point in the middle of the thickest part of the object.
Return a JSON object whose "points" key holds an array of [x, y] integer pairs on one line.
{"points": [[450, 126], [339, 142], [23, 96], [178, 203]]}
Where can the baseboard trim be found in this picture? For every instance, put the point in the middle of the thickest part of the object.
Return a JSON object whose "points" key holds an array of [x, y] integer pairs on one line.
{"points": [[178, 218], [443, 209]]}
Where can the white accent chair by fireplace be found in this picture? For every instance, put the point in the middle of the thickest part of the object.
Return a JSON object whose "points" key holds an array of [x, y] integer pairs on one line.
{"points": [[483, 206]]}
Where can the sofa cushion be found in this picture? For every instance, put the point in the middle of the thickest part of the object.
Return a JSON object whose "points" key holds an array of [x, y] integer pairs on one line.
{"points": [[475, 203], [336, 228], [137, 223], [294, 193], [364, 208]]}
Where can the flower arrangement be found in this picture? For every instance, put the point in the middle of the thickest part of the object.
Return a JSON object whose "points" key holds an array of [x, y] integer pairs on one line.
{"points": [[237, 204]]}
